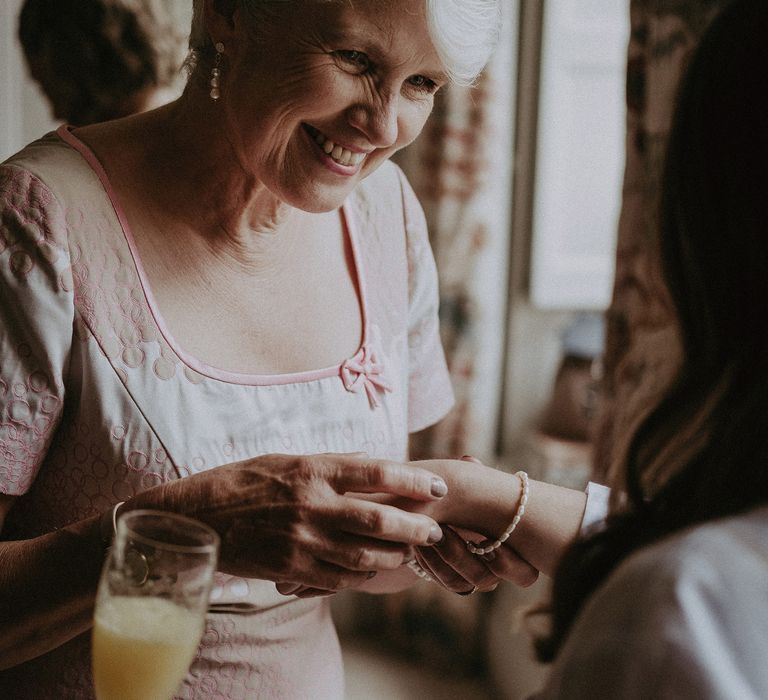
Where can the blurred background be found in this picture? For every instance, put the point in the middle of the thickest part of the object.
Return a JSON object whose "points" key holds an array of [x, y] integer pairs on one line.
{"points": [[539, 188]]}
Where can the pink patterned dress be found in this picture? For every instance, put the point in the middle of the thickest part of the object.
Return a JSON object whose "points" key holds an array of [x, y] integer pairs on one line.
{"points": [[98, 402]]}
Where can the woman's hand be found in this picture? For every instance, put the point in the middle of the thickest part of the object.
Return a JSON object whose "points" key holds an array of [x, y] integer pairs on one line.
{"points": [[288, 519], [508, 565], [453, 566], [484, 500]]}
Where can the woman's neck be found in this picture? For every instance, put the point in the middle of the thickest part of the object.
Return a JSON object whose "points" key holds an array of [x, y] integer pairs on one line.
{"points": [[192, 174], [216, 177]]}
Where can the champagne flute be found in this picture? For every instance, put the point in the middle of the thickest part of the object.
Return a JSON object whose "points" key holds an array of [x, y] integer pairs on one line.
{"points": [[151, 604]]}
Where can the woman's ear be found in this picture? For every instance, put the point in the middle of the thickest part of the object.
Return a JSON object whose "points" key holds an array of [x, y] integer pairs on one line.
{"points": [[220, 19]]}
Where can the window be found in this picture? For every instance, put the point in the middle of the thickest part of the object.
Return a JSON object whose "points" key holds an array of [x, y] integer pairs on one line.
{"points": [[579, 154]]}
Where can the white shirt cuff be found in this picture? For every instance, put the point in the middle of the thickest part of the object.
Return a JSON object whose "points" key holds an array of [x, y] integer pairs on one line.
{"points": [[596, 510]]}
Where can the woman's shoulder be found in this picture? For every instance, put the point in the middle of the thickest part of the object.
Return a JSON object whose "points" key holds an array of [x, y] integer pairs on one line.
{"points": [[33, 219], [697, 588], [385, 192], [387, 176], [679, 618], [51, 164], [741, 538], [719, 558], [48, 151], [386, 201]]}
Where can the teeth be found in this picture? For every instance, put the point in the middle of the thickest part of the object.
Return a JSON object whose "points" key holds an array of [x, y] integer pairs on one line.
{"points": [[341, 155]]}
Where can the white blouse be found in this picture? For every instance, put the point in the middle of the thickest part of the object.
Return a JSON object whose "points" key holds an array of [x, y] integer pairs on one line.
{"points": [[683, 619]]}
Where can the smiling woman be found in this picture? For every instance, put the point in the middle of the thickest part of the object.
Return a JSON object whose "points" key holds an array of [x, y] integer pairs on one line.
{"points": [[227, 308], [367, 62]]}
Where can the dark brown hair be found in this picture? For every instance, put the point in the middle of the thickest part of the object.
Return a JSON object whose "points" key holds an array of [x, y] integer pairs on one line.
{"points": [[91, 56], [714, 249]]}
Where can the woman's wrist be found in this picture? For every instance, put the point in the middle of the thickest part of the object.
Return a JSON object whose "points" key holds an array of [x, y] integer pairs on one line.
{"points": [[489, 547], [480, 498], [552, 520]]}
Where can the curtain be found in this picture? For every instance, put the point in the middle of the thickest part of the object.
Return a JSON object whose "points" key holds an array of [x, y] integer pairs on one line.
{"points": [[642, 348], [460, 168]]}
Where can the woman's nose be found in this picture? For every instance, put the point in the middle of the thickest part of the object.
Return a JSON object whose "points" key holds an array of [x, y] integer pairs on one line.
{"points": [[378, 120]]}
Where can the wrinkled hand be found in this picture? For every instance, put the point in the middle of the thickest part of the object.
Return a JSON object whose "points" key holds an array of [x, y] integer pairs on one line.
{"points": [[453, 566], [450, 564], [508, 565], [287, 519]]}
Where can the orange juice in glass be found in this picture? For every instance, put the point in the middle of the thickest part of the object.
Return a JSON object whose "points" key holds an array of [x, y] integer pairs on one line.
{"points": [[151, 605]]}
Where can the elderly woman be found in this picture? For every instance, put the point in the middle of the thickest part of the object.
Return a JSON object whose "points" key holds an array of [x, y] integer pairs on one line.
{"points": [[226, 308]]}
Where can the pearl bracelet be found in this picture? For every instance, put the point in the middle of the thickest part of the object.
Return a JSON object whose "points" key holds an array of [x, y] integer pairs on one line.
{"points": [[472, 547]]}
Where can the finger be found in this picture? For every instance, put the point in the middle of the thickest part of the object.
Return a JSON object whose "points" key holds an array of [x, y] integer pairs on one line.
{"points": [[363, 554], [325, 576], [384, 522], [300, 591], [440, 572], [288, 587], [453, 551], [507, 564], [452, 566], [314, 593], [382, 476]]}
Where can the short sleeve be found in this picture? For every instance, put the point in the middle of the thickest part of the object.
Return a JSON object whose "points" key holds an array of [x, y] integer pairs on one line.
{"points": [[430, 395], [36, 320]]}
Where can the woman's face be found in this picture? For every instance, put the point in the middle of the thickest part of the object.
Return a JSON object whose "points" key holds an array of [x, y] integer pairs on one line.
{"points": [[325, 93]]}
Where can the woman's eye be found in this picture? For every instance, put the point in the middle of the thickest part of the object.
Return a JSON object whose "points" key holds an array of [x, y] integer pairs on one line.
{"points": [[353, 58], [421, 82]]}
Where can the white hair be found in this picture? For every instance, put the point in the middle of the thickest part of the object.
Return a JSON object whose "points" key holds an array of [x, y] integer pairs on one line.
{"points": [[464, 33]]}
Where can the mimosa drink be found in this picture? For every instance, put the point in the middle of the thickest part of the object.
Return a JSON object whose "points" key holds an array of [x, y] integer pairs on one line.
{"points": [[142, 647]]}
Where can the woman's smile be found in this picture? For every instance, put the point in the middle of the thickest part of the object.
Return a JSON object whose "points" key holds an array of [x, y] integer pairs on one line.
{"points": [[324, 98], [340, 158]]}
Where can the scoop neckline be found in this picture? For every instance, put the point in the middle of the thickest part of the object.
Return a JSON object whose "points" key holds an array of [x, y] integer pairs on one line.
{"points": [[349, 224]]}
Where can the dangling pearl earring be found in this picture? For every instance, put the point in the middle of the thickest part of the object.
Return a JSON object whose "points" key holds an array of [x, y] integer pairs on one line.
{"points": [[215, 93]]}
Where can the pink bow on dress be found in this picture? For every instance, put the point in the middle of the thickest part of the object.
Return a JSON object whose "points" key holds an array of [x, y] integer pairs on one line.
{"points": [[365, 371]]}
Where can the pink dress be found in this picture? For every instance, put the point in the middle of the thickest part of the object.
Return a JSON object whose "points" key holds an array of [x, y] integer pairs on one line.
{"points": [[98, 402]]}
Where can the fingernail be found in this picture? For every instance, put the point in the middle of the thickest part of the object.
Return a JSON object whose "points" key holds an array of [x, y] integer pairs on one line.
{"points": [[435, 535], [290, 590], [439, 488]]}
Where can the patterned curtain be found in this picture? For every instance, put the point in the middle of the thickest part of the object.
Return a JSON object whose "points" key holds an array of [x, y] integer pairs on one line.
{"points": [[460, 168], [642, 348]]}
